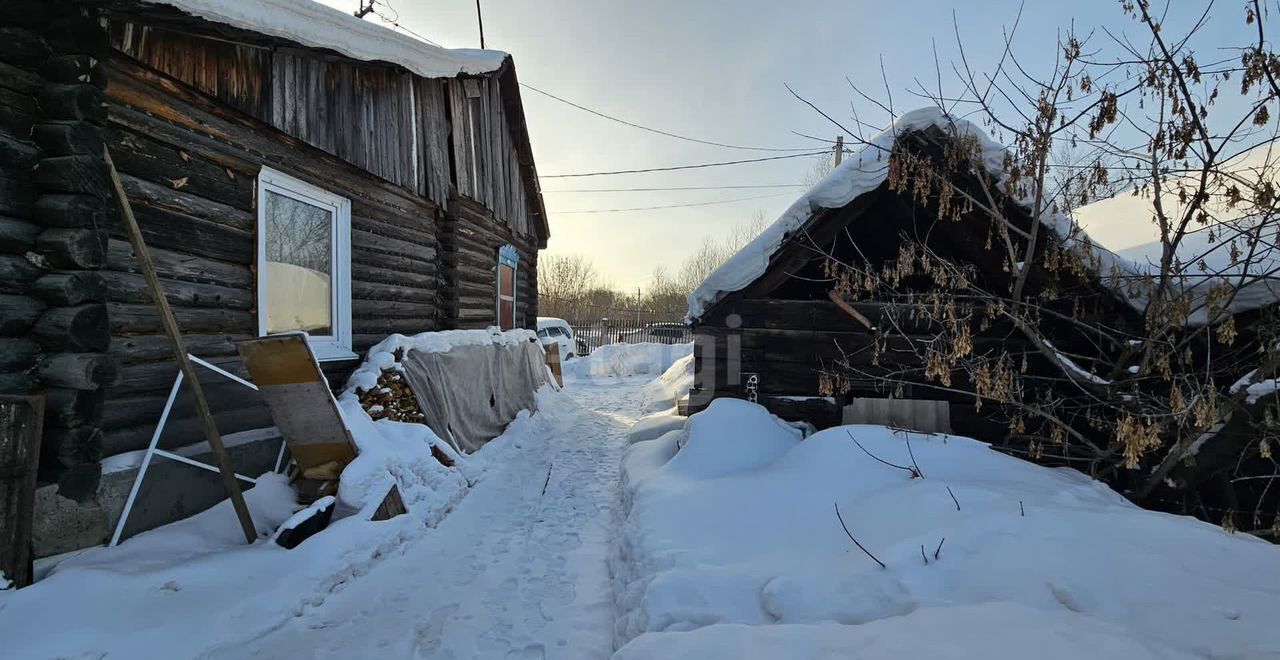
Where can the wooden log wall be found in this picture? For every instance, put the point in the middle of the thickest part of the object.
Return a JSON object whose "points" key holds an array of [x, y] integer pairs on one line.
{"points": [[789, 342], [190, 167], [471, 238], [52, 189]]}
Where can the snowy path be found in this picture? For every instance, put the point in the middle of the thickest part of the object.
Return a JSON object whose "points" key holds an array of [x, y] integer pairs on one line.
{"points": [[512, 572]]}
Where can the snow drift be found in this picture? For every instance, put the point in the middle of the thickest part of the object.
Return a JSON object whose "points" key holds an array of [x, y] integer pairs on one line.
{"points": [[663, 392], [731, 548], [620, 360]]}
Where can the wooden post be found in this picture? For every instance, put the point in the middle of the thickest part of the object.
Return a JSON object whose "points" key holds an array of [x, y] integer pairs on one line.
{"points": [[21, 419], [210, 429], [553, 361], [839, 150]]}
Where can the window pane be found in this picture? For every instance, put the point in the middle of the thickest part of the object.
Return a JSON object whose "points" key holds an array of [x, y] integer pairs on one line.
{"points": [[298, 245]]}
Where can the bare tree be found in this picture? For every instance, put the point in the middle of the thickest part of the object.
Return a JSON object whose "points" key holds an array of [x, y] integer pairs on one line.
{"points": [[1162, 407], [565, 284]]}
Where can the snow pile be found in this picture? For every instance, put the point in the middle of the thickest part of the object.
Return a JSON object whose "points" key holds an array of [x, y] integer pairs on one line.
{"points": [[663, 392], [400, 452], [620, 360], [869, 167], [191, 588], [312, 24], [730, 436], [655, 425], [731, 548]]}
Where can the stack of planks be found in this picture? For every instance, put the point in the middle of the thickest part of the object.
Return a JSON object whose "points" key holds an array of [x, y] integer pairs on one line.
{"points": [[53, 185]]}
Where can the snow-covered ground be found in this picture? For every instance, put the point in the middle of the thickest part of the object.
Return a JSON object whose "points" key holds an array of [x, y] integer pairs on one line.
{"points": [[584, 533], [503, 556], [517, 569], [732, 548]]}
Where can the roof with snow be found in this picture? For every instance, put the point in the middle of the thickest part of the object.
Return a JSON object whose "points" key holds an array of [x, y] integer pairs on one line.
{"points": [[868, 168], [310, 23]]}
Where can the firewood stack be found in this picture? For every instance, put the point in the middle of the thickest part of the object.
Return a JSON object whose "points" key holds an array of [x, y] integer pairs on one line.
{"points": [[391, 399]]}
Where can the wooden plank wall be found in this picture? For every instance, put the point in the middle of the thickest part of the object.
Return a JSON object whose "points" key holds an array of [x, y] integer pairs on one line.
{"points": [[190, 166], [496, 184], [360, 112], [236, 74], [435, 181]]}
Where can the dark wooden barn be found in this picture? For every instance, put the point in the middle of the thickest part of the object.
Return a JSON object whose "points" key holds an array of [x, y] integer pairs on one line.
{"points": [[876, 299], [291, 167], [786, 333]]}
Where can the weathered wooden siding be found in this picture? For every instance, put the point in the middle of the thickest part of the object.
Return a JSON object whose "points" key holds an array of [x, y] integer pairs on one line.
{"points": [[486, 166], [236, 74], [375, 117], [359, 112], [190, 166], [434, 178]]}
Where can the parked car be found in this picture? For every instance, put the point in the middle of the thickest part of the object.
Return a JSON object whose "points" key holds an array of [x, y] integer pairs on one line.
{"points": [[557, 331], [658, 333]]}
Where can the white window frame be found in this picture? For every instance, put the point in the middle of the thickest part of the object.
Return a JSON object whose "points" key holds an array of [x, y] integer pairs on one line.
{"points": [[336, 346]]}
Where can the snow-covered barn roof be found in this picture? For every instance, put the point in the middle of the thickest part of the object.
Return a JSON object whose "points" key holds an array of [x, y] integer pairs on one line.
{"points": [[312, 24], [868, 168]]}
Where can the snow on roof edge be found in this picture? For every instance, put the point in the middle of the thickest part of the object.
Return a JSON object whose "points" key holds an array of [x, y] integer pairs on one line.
{"points": [[869, 167], [319, 26], [860, 173]]}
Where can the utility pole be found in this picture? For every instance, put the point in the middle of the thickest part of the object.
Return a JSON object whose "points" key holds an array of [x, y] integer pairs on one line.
{"points": [[364, 8], [637, 305], [480, 20], [839, 149]]}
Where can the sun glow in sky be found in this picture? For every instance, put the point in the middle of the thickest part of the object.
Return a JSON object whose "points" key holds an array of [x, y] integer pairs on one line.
{"points": [[716, 71]]}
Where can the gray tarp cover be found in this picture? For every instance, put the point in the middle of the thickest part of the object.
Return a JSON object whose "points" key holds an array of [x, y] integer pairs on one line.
{"points": [[471, 393]]}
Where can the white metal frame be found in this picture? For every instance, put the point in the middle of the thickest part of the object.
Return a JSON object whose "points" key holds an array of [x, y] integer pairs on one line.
{"points": [[154, 450], [326, 347]]}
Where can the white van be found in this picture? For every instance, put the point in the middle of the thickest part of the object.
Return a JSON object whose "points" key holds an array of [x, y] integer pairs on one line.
{"points": [[557, 331]]}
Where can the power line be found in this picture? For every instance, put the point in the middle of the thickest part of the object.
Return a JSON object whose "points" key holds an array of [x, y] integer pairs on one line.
{"points": [[668, 206], [683, 167], [618, 190], [650, 129], [395, 21]]}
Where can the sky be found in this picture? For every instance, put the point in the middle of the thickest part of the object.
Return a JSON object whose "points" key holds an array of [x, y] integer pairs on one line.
{"points": [[716, 71]]}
